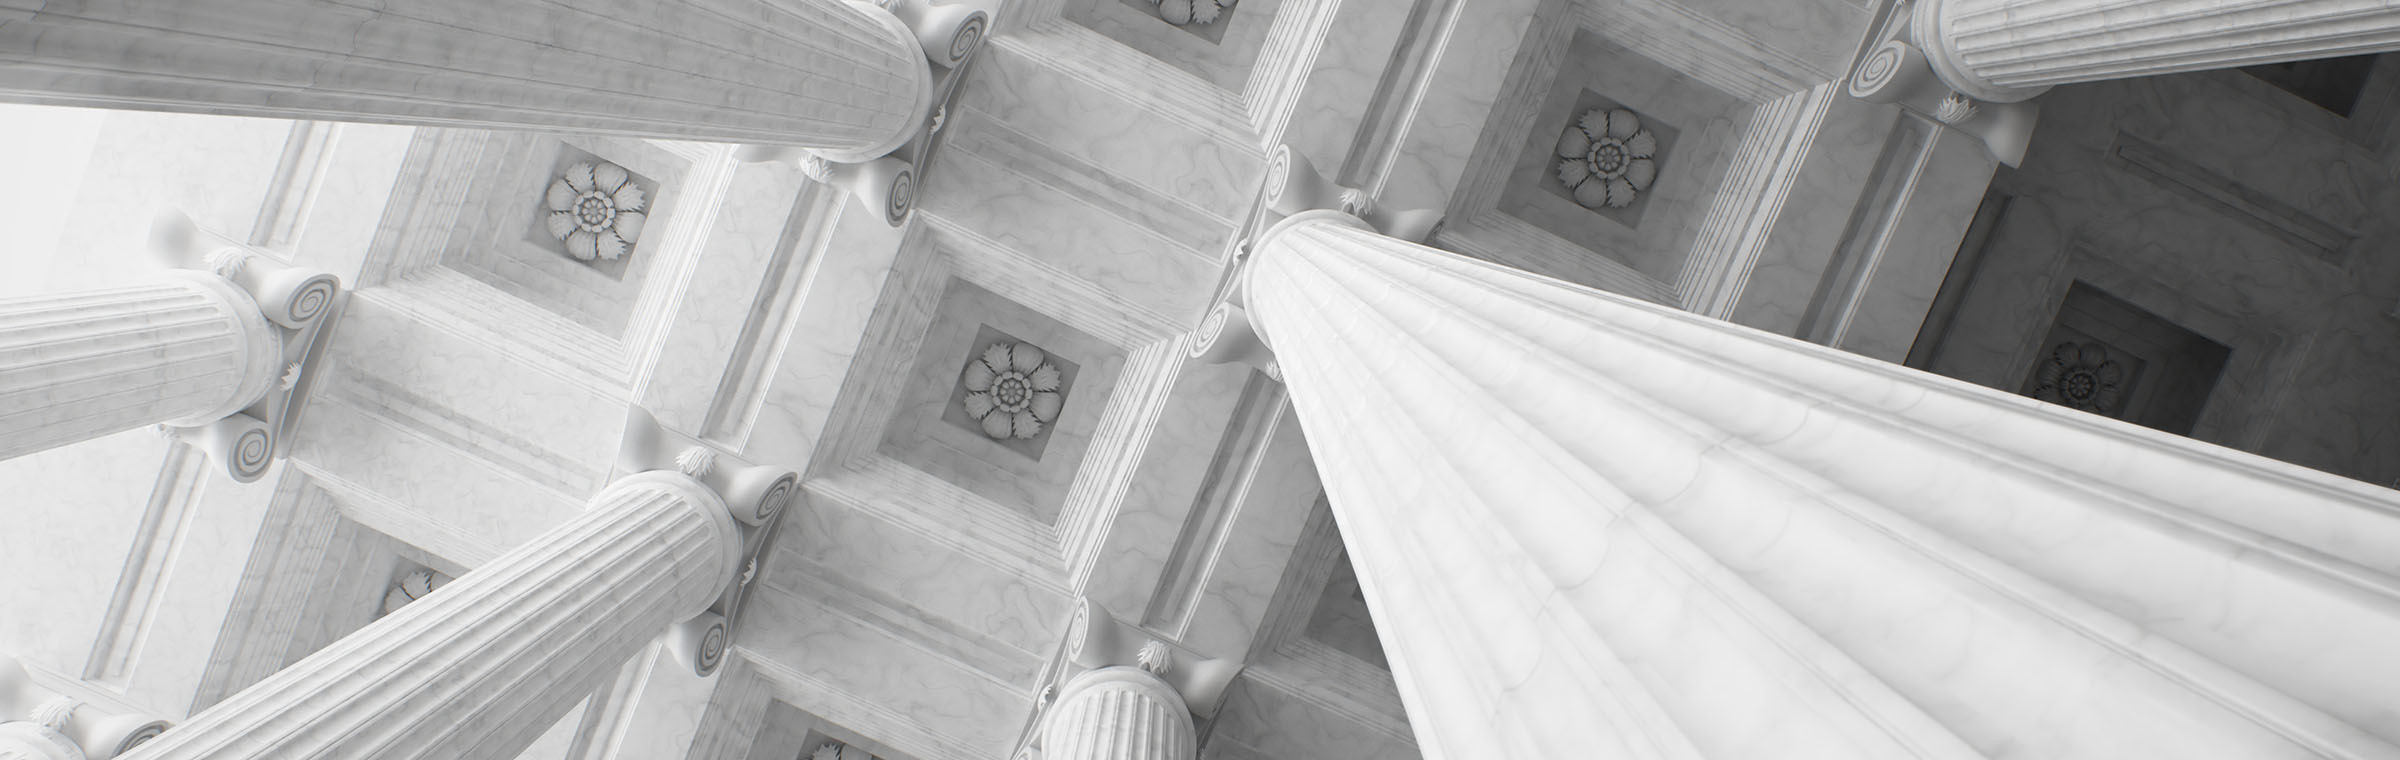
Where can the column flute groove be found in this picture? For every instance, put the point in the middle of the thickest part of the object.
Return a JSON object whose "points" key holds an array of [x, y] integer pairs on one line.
{"points": [[483, 667], [2010, 50], [1589, 526], [848, 79], [78, 366]]}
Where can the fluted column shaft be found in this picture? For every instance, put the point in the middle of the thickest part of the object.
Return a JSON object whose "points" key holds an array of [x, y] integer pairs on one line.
{"points": [[837, 75], [2010, 50], [1118, 713], [1593, 527], [77, 366], [480, 668]]}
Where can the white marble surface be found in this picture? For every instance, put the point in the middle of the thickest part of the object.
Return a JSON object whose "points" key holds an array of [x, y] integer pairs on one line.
{"points": [[1243, 575], [919, 436], [1226, 62], [728, 293], [1827, 188], [1804, 552], [1070, 114], [1918, 251], [1340, 83], [1052, 226], [1175, 459], [1439, 136], [484, 667], [833, 665], [831, 543], [722, 76], [831, 314]]}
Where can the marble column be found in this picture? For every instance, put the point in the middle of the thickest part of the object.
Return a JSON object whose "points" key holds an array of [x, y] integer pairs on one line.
{"points": [[482, 667], [2009, 50], [1589, 526], [186, 351], [841, 76], [1118, 713]]}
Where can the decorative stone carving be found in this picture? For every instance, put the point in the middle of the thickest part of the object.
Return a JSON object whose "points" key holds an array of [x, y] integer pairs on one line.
{"points": [[1118, 713], [1012, 389], [44, 724], [1188, 12], [219, 357], [1226, 336], [2080, 376], [884, 178], [1606, 158], [1155, 658], [412, 586], [1899, 73], [833, 750], [1294, 185], [757, 495], [596, 208], [1095, 639]]}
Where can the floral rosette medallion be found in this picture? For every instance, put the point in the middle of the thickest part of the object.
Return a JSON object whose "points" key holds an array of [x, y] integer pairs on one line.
{"points": [[1188, 12], [2080, 376], [1607, 158], [596, 208], [1012, 390]]}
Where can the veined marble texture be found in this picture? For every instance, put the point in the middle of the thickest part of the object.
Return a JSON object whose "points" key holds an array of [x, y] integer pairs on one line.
{"points": [[1338, 88], [1916, 248], [1270, 510], [1815, 33], [996, 621], [1826, 190], [848, 671], [67, 548], [1175, 461], [1121, 256], [1167, 148], [1225, 62], [1439, 137], [832, 309], [2308, 377], [755, 250], [87, 202], [1276, 718]]}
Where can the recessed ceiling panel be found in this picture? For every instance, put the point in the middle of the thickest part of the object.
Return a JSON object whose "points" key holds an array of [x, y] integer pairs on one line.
{"points": [[1215, 40], [1623, 157], [1002, 400], [568, 223]]}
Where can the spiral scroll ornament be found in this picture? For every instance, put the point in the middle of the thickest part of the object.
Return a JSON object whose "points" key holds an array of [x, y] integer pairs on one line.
{"points": [[1211, 326], [310, 300], [252, 451], [1879, 69], [903, 196], [711, 652], [778, 496], [1079, 631], [968, 37], [1279, 176], [141, 735]]}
